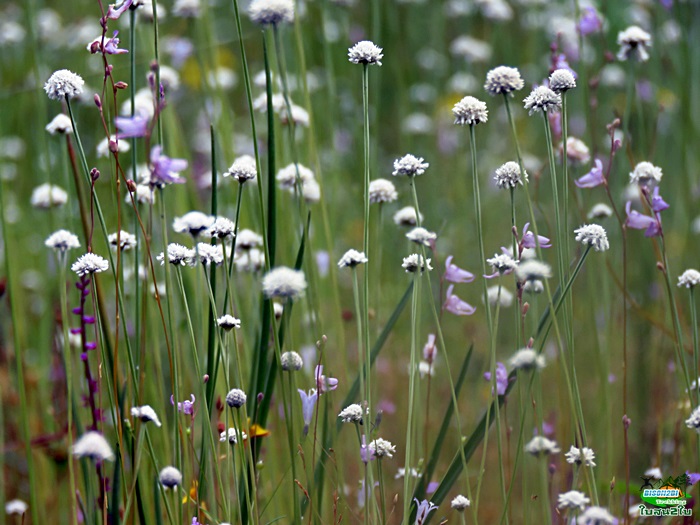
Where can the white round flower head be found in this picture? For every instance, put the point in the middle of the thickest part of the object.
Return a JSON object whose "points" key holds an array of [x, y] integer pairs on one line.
{"points": [[460, 503], [291, 361], [470, 111], [382, 190], [48, 196], [504, 297], [221, 228], [170, 477], [311, 191], [300, 116], [284, 282], [527, 359], [194, 223], [252, 260], [415, 262], [406, 217], [248, 239], [127, 241], [352, 258], [420, 235], [228, 322], [61, 123], [287, 176], [689, 278], [144, 194], [593, 235], [89, 263], [236, 398], [243, 169], [533, 287], [694, 420], [576, 151], [410, 166], [178, 255], [562, 80], [232, 436], [572, 500], [380, 448], [542, 446], [646, 174], [509, 175], [93, 445], [503, 80], [146, 414], [351, 414], [542, 99], [64, 84], [62, 241], [365, 52], [208, 254], [600, 211], [532, 270], [502, 263], [633, 43], [581, 456], [271, 12], [16, 506], [596, 516], [654, 472]]}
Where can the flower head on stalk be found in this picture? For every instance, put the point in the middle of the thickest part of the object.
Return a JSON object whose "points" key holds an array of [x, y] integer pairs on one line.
{"points": [[146, 414], [633, 42], [503, 80], [470, 111], [572, 500], [689, 278], [61, 241], [93, 445], [562, 80], [593, 235], [533, 270], [410, 166], [243, 169], [415, 262], [542, 446], [528, 239], [351, 414], [581, 456], [424, 508], [88, 264], [365, 52], [420, 235], [455, 305], [542, 99], [380, 448], [186, 406], [64, 84], [646, 175], [170, 477], [382, 190], [308, 402], [284, 282], [527, 359], [508, 176], [351, 259], [271, 12], [501, 264]]}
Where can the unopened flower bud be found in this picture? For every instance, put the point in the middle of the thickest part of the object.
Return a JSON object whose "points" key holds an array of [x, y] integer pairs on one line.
{"points": [[94, 174], [121, 85], [98, 101], [130, 185]]}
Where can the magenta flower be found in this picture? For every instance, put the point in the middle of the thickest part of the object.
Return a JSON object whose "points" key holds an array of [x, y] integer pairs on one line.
{"points": [[639, 221], [658, 204], [112, 46], [455, 274], [590, 22], [425, 507], [113, 13], [164, 170], [501, 378], [528, 239], [186, 407], [131, 127], [323, 383], [593, 178], [308, 402], [455, 305]]}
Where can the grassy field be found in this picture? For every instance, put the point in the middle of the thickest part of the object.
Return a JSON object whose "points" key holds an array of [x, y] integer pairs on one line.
{"points": [[541, 369]]}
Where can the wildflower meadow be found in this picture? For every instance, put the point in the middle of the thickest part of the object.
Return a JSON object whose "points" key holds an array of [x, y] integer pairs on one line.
{"points": [[349, 261]]}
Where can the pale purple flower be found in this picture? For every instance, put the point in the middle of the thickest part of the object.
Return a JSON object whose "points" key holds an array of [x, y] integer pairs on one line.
{"points": [[164, 170], [501, 378], [658, 204], [111, 46], [186, 406], [639, 221], [528, 239], [365, 453], [693, 477], [430, 349], [455, 305], [560, 62], [593, 178], [308, 402], [131, 127], [114, 13], [455, 274], [590, 22], [425, 507], [323, 383]]}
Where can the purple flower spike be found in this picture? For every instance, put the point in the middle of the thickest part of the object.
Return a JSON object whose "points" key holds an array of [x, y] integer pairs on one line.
{"points": [[455, 274], [593, 178], [165, 170], [186, 406], [113, 13], [308, 402], [324, 384], [590, 22], [658, 204], [455, 305], [639, 221], [425, 507], [131, 127], [528, 239]]}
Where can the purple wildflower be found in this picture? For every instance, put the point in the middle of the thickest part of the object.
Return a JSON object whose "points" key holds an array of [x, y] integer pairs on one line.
{"points": [[694, 477], [593, 178], [528, 239], [455, 305], [164, 170], [110, 46], [114, 14], [186, 406], [658, 204], [560, 62], [365, 453], [590, 22], [323, 383], [429, 350], [308, 402], [455, 274], [639, 221], [425, 507], [501, 378], [131, 127]]}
